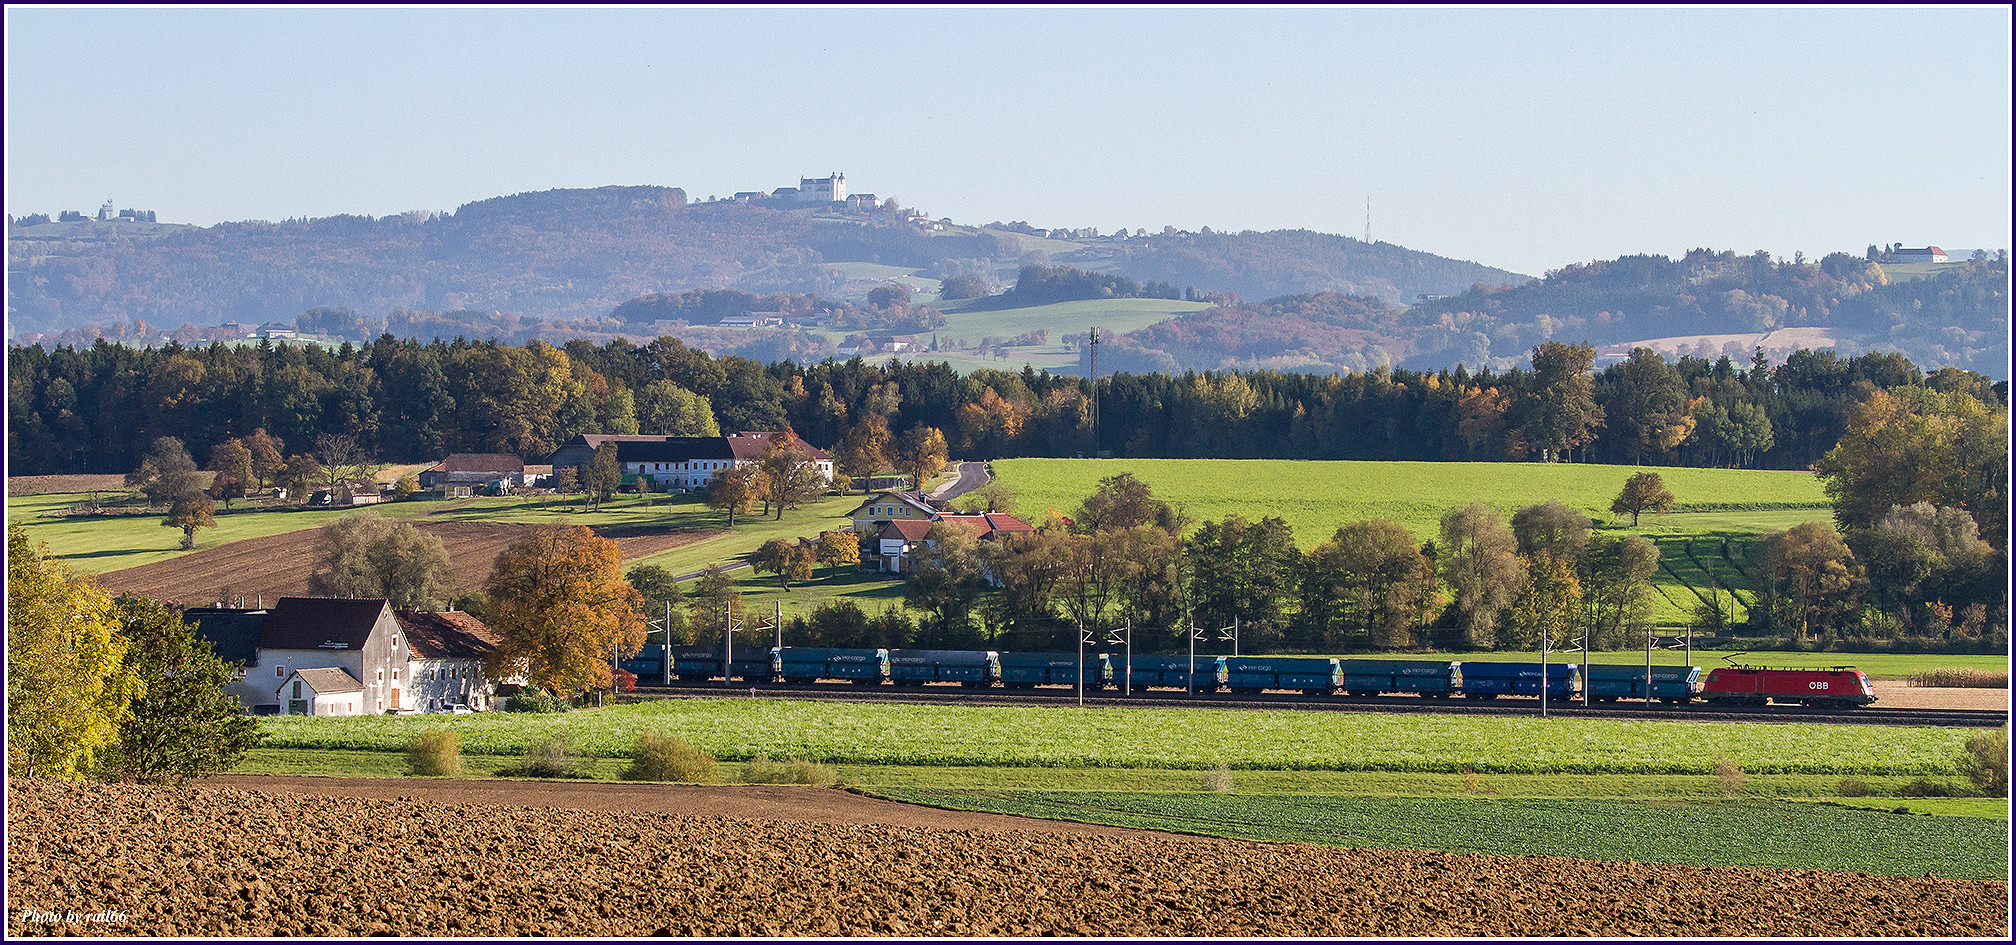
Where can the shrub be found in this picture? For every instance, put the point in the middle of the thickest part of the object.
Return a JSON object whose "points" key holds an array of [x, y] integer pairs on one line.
{"points": [[1986, 762], [549, 758], [1923, 787], [1217, 780], [434, 754], [1730, 775], [1854, 787], [663, 758], [626, 681], [761, 770], [535, 702], [1962, 679]]}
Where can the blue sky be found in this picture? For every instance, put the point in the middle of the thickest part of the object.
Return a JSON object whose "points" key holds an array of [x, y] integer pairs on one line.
{"points": [[1520, 138]]}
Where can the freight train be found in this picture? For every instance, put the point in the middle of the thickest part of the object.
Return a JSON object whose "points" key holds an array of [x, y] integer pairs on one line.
{"points": [[1314, 675]]}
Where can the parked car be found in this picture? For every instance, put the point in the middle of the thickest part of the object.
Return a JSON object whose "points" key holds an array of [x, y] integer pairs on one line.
{"points": [[457, 709]]}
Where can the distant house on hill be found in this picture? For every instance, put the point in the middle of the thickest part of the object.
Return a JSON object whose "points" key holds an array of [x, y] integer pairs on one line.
{"points": [[460, 473], [1923, 254], [669, 463]]}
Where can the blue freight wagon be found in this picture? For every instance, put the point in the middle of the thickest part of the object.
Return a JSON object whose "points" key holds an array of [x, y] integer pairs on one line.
{"points": [[1311, 674], [1151, 670], [967, 667], [1611, 682], [699, 663], [1482, 680], [1431, 679], [648, 664], [804, 664], [1028, 670]]}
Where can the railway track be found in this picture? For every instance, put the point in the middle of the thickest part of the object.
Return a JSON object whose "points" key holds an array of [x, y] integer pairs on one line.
{"points": [[944, 694]]}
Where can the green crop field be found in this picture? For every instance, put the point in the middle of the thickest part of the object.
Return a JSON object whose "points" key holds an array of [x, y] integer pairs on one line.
{"points": [[1702, 544], [973, 321], [1775, 835], [1099, 736], [1906, 272], [1317, 497]]}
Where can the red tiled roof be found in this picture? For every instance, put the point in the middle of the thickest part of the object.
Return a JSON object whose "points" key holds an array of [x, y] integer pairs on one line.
{"points": [[908, 529], [987, 524]]}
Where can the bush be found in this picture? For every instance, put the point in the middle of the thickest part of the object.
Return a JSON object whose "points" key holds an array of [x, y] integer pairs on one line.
{"points": [[435, 754], [626, 681], [1927, 788], [663, 758], [1987, 761], [536, 702], [549, 758], [1854, 787], [1730, 775], [761, 770], [1218, 780]]}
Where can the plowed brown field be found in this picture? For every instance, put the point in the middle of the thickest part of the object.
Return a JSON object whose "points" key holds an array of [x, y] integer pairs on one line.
{"points": [[135, 861], [278, 565]]}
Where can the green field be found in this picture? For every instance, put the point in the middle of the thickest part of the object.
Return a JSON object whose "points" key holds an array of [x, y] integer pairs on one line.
{"points": [[1317, 497], [95, 543], [1906, 272], [1773, 835], [968, 321], [1100, 736], [1719, 512]]}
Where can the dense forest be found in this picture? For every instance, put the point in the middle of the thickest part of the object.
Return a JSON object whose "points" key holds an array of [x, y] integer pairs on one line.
{"points": [[1958, 317], [95, 409]]}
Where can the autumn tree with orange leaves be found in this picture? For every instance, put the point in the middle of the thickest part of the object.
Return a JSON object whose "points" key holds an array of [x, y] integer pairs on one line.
{"points": [[562, 608]]}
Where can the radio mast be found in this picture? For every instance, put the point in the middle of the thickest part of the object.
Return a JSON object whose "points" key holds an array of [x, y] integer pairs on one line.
{"points": [[1094, 371], [1368, 218]]}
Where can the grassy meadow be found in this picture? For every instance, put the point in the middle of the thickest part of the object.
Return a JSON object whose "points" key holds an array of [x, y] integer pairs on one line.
{"points": [[1703, 543], [1602, 789], [1067, 736]]}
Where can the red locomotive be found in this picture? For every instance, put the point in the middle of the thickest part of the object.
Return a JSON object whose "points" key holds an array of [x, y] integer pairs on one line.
{"points": [[1743, 685]]}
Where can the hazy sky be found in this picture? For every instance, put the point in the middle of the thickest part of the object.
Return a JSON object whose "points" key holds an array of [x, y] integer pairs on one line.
{"points": [[1525, 139]]}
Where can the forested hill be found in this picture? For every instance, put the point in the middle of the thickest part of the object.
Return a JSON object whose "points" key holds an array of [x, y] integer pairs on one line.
{"points": [[562, 254], [1705, 304], [575, 255], [1290, 262]]}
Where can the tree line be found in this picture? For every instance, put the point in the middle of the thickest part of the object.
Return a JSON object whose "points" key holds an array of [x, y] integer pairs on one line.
{"points": [[99, 408]]}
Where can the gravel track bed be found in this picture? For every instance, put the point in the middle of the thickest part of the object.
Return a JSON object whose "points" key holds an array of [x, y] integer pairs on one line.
{"points": [[156, 861]]}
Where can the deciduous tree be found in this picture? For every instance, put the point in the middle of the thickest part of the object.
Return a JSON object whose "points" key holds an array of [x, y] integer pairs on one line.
{"points": [[1369, 581], [602, 474], [167, 473], [366, 554], [1642, 492], [68, 688], [790, 475], [1548, 606], [838, 549], [183, 725], [190, 513], [1810, 580], [562, 610], [734, 491], [232, 463], [923, 453], [1479, 558]]}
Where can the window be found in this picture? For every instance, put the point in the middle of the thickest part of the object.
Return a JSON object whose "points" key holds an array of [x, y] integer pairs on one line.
{"points": [[381, 676], [279, 672], [395, 675], [297, 688]]}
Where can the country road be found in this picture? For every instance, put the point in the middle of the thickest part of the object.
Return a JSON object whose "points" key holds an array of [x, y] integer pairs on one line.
{"points": [[971, 476]]}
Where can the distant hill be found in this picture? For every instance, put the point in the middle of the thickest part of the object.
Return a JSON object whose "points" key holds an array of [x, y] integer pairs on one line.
{"points": [[575, 255], [1705, 304], [1257, 266]]}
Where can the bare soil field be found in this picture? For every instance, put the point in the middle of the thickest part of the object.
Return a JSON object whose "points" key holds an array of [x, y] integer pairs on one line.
{"points": [[1898, 694], [122, 860], [278, 565], [51, 485]]}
